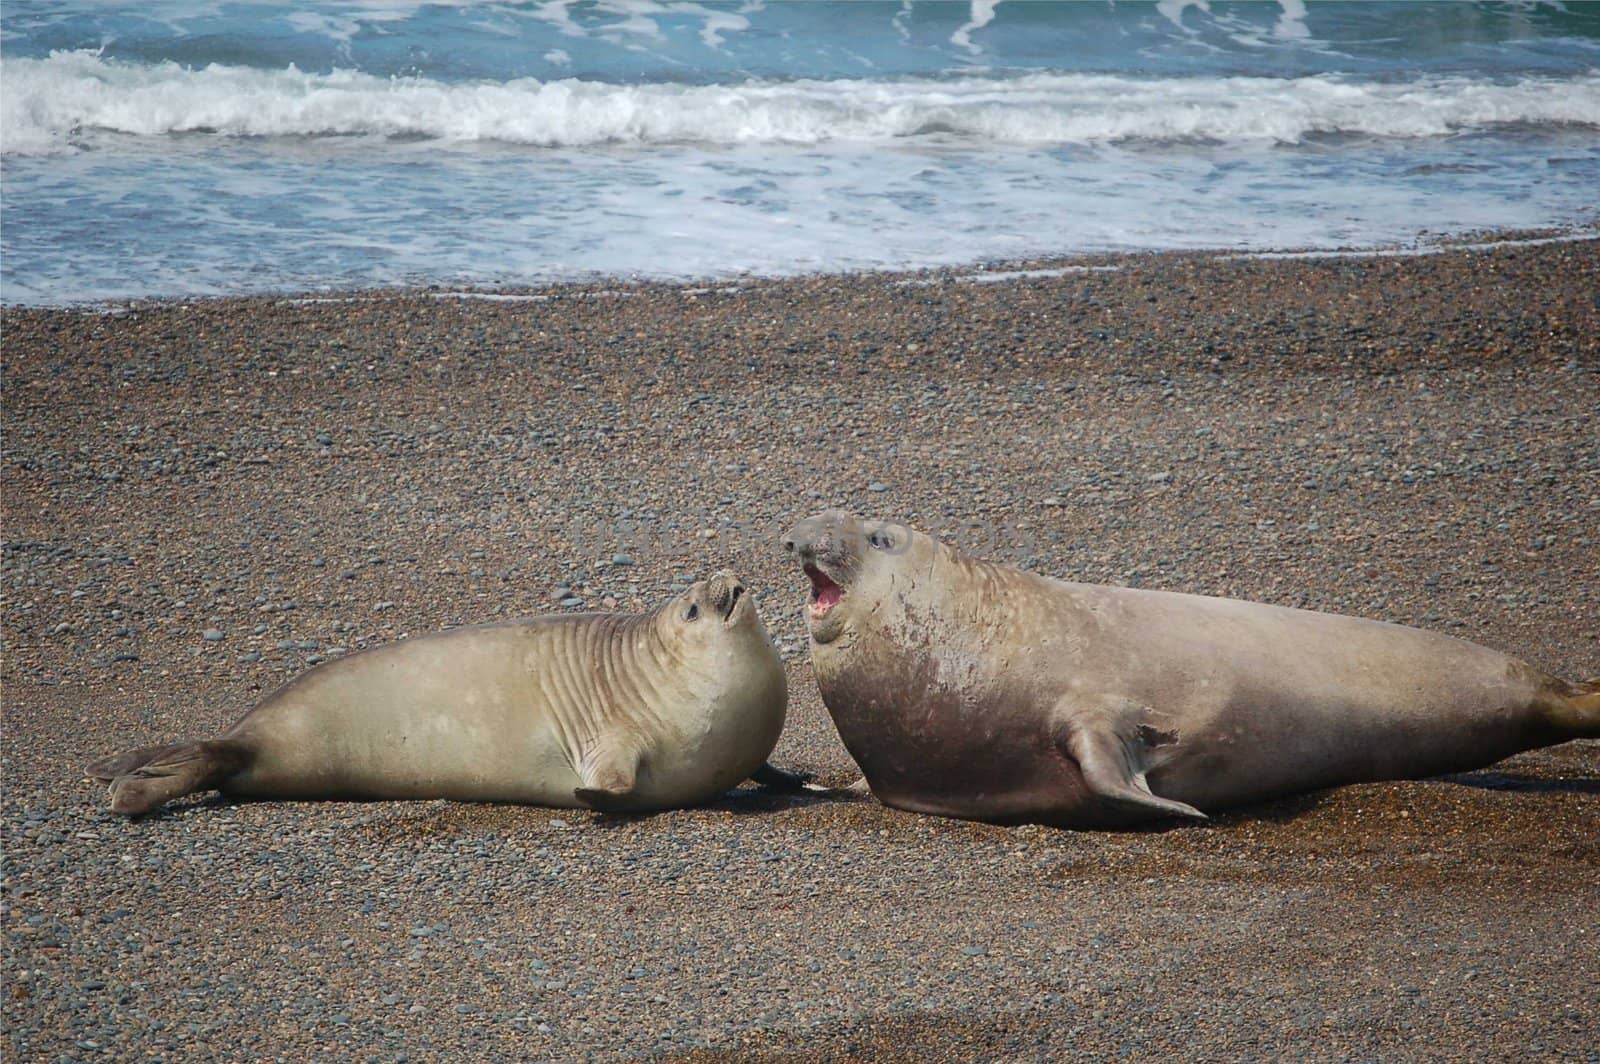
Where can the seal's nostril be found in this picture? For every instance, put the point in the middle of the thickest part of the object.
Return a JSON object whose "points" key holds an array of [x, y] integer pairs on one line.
{"points": [[788, 545]]}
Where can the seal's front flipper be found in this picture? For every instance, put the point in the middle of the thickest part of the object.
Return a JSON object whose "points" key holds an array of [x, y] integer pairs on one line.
{"points": [[777, 779], [1103, 759], [155, 775], [609, 776]]}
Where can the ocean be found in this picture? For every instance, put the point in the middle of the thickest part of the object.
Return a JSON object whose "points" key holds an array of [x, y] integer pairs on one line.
{"points": [[179, 148]]}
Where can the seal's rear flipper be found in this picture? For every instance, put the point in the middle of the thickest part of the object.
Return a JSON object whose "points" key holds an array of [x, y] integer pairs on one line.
{"points": [[1103, 759], [774, 778], [1575, 708], [170, 772], [109, 768]]}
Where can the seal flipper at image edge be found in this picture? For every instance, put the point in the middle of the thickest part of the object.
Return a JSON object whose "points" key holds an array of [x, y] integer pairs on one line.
{"points": [[1577, 708], [776, 779]]}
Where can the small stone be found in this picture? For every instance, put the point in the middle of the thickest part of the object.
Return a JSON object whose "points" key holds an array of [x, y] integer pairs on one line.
{"points": [[571, 601], [324, 439], [877, 485], [1159, 478], [384, 605], [212, 635], [622, 559], [975, 951]]}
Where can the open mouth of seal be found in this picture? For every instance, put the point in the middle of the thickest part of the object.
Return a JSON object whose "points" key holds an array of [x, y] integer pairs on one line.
{"points": [[825, 594]]}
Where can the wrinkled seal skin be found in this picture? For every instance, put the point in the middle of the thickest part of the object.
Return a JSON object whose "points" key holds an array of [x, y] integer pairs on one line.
{"points": [[970, 689], [611, 711]]}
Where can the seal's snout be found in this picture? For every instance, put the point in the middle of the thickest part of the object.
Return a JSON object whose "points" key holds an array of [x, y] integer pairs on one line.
{"points": [[818, 536], [824, 545], [806, 549], [725, 591], [803, 541]]}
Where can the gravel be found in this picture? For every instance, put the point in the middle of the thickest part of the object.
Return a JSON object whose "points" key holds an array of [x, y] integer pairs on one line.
{"points": [[1407, 438]]}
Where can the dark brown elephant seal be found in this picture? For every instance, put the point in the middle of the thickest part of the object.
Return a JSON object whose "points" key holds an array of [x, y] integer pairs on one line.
{"points": [[608, 710], [969, 689]]}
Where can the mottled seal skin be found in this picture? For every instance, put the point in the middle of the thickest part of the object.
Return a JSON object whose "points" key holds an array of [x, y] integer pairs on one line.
{"points": [[970, 689], [610, 711]]}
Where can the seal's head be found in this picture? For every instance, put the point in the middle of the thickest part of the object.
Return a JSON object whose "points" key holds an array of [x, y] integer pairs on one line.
{"points": [[715, 612], [854, 565], [715, 661], [718, 603]]}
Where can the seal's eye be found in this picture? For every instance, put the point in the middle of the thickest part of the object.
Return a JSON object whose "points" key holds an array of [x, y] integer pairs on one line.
{"points": [[694, 611], [881, 540]]}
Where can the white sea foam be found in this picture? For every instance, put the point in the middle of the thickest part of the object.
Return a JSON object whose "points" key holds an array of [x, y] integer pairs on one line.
{"points": [[1581, 235], [72, 98], [1000, 276]]}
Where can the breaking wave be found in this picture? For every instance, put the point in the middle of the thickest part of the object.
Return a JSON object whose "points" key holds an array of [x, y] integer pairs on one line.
{"points": [[70, 99]]}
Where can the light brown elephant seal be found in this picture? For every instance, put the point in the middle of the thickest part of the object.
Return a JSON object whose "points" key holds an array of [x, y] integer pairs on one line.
{"points": [[969, 689], [607, 710]]}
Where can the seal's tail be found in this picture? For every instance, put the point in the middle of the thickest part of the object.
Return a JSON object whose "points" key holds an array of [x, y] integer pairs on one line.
{"points": [[1576, 710], [143, 779]]}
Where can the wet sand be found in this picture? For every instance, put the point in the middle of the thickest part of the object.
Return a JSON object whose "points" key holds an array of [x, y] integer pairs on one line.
{"points": [[201, 499]]}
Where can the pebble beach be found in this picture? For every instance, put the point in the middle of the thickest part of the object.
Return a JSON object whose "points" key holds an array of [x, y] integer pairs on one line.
{"points": [[204, 498]]}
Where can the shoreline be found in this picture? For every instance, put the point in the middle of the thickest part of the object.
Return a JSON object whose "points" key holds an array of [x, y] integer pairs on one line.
{"points": [[1407, 438], [979, 272]]}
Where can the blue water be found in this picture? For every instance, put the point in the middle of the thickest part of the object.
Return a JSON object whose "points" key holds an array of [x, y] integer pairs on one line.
{"points": [[191, 147]]}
